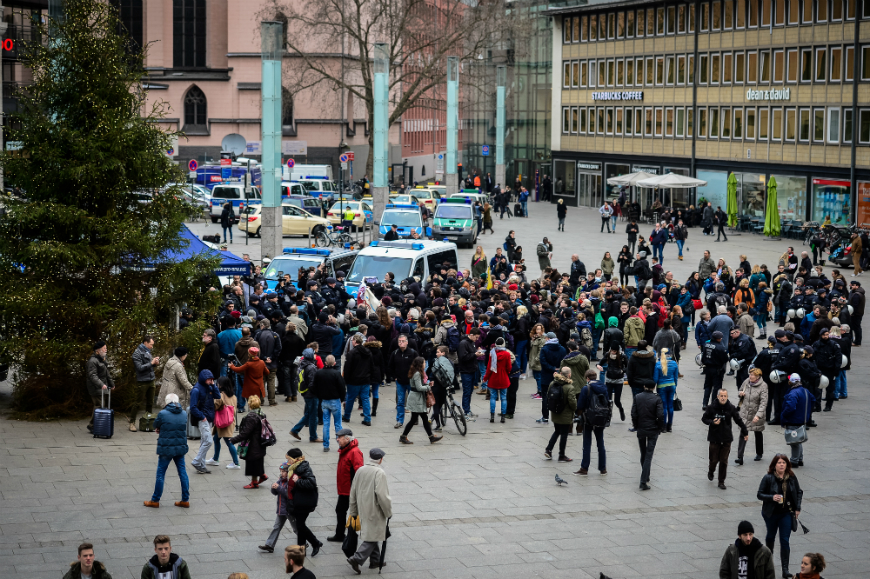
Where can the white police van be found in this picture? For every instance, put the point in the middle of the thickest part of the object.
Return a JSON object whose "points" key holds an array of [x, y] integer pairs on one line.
{"points": [[403, 258]]}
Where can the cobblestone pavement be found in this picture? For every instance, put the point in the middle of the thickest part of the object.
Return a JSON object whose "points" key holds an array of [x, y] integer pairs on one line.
{"points": [[481, 506]]}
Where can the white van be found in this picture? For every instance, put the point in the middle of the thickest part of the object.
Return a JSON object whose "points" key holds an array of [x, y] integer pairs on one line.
{"points": [[299, 172], [404, 258]]}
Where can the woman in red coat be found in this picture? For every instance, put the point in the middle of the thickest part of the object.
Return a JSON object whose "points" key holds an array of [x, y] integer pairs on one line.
{"points": [[254, 370], [497, 377]]}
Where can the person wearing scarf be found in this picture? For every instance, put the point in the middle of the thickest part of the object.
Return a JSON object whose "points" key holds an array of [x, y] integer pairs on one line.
{"points": [[284, 496], [747, 557], [497, 377], [811, 565]]}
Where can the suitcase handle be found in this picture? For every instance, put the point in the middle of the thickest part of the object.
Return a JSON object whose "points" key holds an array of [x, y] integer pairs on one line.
{"points": [[103, 396]]}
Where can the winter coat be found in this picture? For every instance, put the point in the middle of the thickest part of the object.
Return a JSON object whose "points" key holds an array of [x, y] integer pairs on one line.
{"points": [[612, 335], [323, 335], [284, 503], [721, 433], [142, 364], [242, 347], [584, 399], [659, 237], [210, 359], [702, 333], [358, 366], [641, 368], [177, 568], [634, 331], [98, 374], [255, 372], [500, 379], [175, 382], [467, 356], [227, 217], [202, 399], [607, 266], [648, 414], [721, 323], [270, 347], [250, 430], [399, 364], [224, 400], [797, 406], [98, 572], [666, 339], [550, 357], [172, 424], [579, 364], [478, 266], [771, 485], [705, 267], [744, 296], [350, 460], [535, 352], [416, 401], [762, 560], [378, 364], [754, 404], [671, 379], [543, 252], [370, 501], [746, 325], [305, 493], [329, 385], [828, 358], [570, 395]]}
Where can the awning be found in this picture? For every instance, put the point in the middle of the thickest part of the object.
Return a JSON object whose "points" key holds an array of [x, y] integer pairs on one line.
{"points": [[629, 179], [230, 265], [671, 181]]}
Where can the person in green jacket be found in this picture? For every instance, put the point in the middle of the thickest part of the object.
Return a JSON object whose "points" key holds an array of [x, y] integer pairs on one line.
{"points": [[607, 266], [563, 420], [165, 564], [86, 565], [536, 342]]}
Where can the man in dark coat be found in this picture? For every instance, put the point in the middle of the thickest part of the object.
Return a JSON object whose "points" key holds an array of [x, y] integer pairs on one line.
{"points": [[714, 356], [718, 417], [171, 426], [210, 359], [99, 379], [648, 420], [747, 556]]}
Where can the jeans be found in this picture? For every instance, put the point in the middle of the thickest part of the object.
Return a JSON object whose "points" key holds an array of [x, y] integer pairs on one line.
{"points": [[162, 465], [481, 368], [500, 394], [560, 431], [781, 523], [231, 446], [240, 401], [402, 391], [525, 206], [680, 243], [522, 352], [537, 375], [761, 322], [467, 388], [613, 219], [354, 392], [230, 229], [667, 395], [797, 452], [561, 223], [596, 336], [629, 351], [205, 442], [841, 389], [276, 529], [605, 221], [658, 251], [332, 408], [375, 390], [309, 418], [647, 447], [588, 430]]}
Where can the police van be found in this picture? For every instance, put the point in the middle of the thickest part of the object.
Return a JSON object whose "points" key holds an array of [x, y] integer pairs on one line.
{"points": [[403, 258], [235, 194], [293, 258], [405, 216], [454, 219]]}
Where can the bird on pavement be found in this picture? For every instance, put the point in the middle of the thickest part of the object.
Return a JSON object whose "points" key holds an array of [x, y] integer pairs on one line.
{"points": [[559, 481]]}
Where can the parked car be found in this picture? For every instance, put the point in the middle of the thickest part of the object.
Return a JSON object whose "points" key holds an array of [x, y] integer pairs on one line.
{"points": [[296, 221]]}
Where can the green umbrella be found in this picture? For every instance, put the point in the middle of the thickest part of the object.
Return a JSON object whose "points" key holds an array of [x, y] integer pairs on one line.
{"points": [[772, 226], [731, 206]]}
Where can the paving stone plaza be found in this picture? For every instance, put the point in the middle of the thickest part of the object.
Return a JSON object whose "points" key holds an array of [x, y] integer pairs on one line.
{"points": [[483, 506]]}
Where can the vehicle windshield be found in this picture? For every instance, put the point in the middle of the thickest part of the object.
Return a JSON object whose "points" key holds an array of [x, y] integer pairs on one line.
{"points": [[453, 212], [422, 194], [378, 266], [403, 199], [290, 265], [401, 219]]}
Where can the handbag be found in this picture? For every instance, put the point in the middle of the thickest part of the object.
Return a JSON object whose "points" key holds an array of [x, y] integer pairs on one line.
{"points": [[430, 399], [243, 449], [697, 305], [798, 435], [678, 404], [795, 521]]}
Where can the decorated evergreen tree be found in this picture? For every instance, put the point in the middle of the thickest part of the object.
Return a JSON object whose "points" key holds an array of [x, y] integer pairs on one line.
{"points": [[83, 257]]}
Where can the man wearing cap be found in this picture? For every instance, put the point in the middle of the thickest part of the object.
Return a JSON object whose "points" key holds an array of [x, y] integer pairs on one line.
{"points": [[370, 501], [747, 557], [392, 234], [741, 348], [714, 356], [227, 340], [350, 460], [99, 379]]}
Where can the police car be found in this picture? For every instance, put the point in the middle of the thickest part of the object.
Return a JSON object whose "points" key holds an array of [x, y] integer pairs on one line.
{"points": [[404, 216], [403, 258], [454, 220], [289, 262]]}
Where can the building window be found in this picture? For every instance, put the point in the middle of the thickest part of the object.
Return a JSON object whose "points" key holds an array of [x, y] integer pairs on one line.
{"points": [[681, 120], [609, 116], [130, 21], [629, 72], [593, 28], [806, 65], [638, 72], [600, 113], [728, 19], [850, 62], [629, 116], [660, 21], [602, 26], [727, 68], [638, 121], [714, 122], [715, 73], [739, 68], [611, 25], [584, 71], [821, 10], [619, 120], [611, 72], [681, 19], [681, 69], [834, 125], [865, 62], [702, 122], [726, 123], [705, 17], [576, 29], [807, 15], [703, 69], [188, 33], [753, 13], [195, 111], [765, 66], [669, 122], [836, 64], [741, 14], [629, 24], [763, 123], [792, 65], [658, 111], [790, 124], [620, 72], [620, 25], [738, 123], [779, 13], [660, 70], [287, 108], [847, 125], [819, 125], [778, 66], [648, 122], [794, 12], [864, 127], [690, 67], [836, 10], [602, 72], [566, 120], [805, 125], [650, 71], [690, 121], [575, 74], [750, 123], [566, 75], [776, 129], [671, 74], [821, 64], [765, 13], [566, 31], [641, 23], [752, 76], [592, 74], [716, 14]]}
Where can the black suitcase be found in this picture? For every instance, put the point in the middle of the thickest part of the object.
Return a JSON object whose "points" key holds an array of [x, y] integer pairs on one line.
{"points": [[212, 238], [104, 418], [518, 210]]}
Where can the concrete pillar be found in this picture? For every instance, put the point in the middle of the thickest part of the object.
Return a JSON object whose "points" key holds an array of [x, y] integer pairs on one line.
{"points": [[271, 230], [500, 81], [452, 180], [380, 182]]}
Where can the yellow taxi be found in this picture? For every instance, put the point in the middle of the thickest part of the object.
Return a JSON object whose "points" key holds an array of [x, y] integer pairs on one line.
{"points": [[296, 221], [427, 196], [362, 212], [406, 199]]}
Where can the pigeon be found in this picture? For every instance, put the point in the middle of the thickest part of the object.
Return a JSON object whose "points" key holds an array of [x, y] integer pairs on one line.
{"points": [[559, 481]]}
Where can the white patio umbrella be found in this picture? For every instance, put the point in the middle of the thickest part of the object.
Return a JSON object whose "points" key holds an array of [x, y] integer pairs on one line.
{"points": [[671, 181], [629, 179]]}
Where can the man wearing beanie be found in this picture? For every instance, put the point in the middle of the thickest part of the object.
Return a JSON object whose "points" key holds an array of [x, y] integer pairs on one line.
{"points": [[747, 557], [99, 377]]}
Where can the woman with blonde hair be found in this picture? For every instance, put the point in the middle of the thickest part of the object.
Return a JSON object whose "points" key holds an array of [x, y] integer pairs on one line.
{"points": [[665, 377], [561, 213], [251, 449]]}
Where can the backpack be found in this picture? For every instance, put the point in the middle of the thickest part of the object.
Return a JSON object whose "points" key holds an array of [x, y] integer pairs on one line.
{"points": [[586, 336], [504, 246], [224, 417], [556, 397], [267, 433], [600, 410], [720, 300], [453, 337]]}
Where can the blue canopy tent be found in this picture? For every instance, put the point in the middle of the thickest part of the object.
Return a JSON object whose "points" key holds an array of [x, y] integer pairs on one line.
{"points": [[231, 264]]}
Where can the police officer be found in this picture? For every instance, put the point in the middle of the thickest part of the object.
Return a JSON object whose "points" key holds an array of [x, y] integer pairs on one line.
{"points": [[714, 356], [764, 362], [829, 360], [314, 297], [347, 217], [811, 377], [330, 295], [794, 304], [741, 348], [786, 363]]}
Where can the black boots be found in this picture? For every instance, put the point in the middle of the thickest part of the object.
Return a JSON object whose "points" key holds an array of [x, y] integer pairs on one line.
{"points": [[375, 406], [492, 416], [783, 557], [502, 418]]}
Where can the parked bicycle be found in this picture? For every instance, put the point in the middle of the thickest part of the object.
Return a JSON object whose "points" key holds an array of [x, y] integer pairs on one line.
{"points": [[332, 236], [453, 409]]}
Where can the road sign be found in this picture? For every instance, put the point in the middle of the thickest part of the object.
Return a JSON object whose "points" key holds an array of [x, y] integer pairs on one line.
{"points": [[192, 165], [291, 163], [226, 162], [294, 147], [170, 152], [191, 175], [439, 163], [344, 166], [226, 173], [484, 150], [253, 147], [349, 155], [343, 158]]}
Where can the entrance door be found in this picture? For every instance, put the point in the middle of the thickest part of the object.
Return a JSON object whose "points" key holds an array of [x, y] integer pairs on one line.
{"points": [[591, 193]]}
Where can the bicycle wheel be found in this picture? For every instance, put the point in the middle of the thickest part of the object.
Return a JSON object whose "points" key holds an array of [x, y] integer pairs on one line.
{"points": [[458, 418], [345, 238], [444, 412], [322, 239]]}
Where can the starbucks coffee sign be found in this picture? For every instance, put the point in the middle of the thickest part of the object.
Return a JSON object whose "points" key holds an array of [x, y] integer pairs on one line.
{"points": [[783, 94], [618, 95]]}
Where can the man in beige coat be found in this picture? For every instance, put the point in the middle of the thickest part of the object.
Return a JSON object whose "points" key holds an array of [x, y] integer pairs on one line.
{"points": [[370, 501], [175, 379]]}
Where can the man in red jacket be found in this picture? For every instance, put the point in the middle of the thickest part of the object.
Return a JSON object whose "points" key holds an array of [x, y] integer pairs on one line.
{"points": [[350, 460]]}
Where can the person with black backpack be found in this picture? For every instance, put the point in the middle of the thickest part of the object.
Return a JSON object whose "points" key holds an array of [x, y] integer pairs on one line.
{"points": [[562, 402], [595, 410]]}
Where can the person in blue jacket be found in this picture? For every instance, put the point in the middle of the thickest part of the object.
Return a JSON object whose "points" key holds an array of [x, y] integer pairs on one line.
{"points": [[658, 239], [171, 427], [797, 410], [202, 399], [666, 376], [551, 357]]}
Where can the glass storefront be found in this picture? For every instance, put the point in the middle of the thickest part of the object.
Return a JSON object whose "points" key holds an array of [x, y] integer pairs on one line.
{"points": [[589, 184], [791, 197], [643, 195], [831, 198], [678, 198], [716, 189], [612, 170], [750, 194], [863, 219], [564, 185]]}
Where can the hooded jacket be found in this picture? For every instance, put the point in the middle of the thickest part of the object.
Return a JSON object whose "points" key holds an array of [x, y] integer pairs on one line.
{"points": [[641, 368], [551, 355], [634, 331], [142, 363], [579, 364], [172, 424], [202, 398], [758, 556], [797, 406], [378, 364], [177, 568], [570, 395], [358, 366]]}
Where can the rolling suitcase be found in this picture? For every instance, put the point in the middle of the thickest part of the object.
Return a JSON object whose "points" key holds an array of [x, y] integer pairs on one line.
{"points": [[104, 418], [192, 429], [518, 210]]}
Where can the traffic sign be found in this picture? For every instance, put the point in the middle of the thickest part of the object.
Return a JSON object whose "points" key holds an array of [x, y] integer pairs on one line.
{"points": [[291, 163], [171, 152], [192, 165], [349, 155], [484, 150], [343, 158]]}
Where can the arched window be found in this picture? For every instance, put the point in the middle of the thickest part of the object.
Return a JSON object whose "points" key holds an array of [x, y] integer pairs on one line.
{"points": [[286, 108], [195, 108]]}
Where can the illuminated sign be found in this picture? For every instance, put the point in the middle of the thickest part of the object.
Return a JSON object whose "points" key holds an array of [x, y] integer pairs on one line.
{"points": [[618, 95]]}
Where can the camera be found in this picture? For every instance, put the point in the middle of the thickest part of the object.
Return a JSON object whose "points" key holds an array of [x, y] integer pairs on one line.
{"points": [[720, 417]]}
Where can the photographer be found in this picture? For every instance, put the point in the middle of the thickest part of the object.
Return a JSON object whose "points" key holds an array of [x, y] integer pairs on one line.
{"points": [[718, 417]]}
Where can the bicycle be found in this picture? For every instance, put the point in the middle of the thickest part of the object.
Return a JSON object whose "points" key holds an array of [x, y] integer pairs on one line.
{"points": [[455, 411], [325, 238]]}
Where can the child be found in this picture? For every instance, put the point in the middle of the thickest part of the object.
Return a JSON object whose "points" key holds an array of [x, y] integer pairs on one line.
{"points": [[281, 490]]}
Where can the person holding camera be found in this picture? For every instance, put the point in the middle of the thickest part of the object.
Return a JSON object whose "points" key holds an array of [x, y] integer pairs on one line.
{"points": [[718, 417]]}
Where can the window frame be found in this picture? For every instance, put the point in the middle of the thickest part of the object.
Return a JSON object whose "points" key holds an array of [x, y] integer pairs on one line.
{"points": [[848, 125], [703, 68], [740, 66], [680, 122], [671, 20], [865, 61], [849, 54], [593, 74], [725, 121], [727, 68], [833, 123], [740, 15], [821, 65], [670, 73], [681, 58], [669, 122], [658, 121], [764, 66], [790, 121], [702, 122], [838, 69], [750, 116], [804, 111], [779, 14], [821, 18], [737, 114], [608, 121], [638, 121], [617, 124], [713, 122], [715, 68], [750, 77], [753, 14], [818, 112], [629, 24], [806, 58], [620, 72], [807, 12], [780, 69], [762, 122], [648, 122], [566, 74], [705, 17], [584, 29], [789, 64], [681, 19]]}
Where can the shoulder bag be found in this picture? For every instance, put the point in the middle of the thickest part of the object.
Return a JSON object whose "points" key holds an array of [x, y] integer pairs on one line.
{"points": [[794, 518], [797, 435]]}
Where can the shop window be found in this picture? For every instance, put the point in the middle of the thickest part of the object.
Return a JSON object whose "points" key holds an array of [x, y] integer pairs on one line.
{"points": [[681, 69], [566, 120], [648, 122], [681, 19], [836, 64], [865, 62], [752, 76], [805, 125], [593, 28], [620, 25], [821, 64], [763, 123], [566, 75], [702, 122], [741, 14], [672, 19], [703, 69], [584, 29], [726, 123], [776, 126], [833, 125], [629, 117], [753, 13], [807, 15], [658, 111], [792, 59], [864, 126], [848, 126], [806, 65], [791, 196], [609, 120], [638, 121], [765, 66], [660, 21], [794, 12], [716, 16], [705, 17], [629, 72], [680, 124], [779, 13], [715, 72], [728, 17], [850, 61], [714, 122], [738, 123], [619, 121], [778, 66], [727, 68], [620, 72], [818, 125], [739, 68], [690, 67], [765, 13], [750, 123], [821, 10], [602, 71], [690, 19], [629, 24], [836, 10], [669, 122], [790, 123], [611, 72], [641, 23]]}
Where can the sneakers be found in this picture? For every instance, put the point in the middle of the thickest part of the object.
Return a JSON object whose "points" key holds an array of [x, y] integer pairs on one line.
{"points": [[133, 428], [644, 487], [548, 455], [565, 459], [536, 396], [542, 420], [212, 462], [325, 449], [201, 469], [691, 328], [266, 548], [522, 376], [398, 425], [233, 466]]}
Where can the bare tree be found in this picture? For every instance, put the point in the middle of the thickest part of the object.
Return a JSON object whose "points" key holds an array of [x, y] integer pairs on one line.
{"points": [[419, 35]]}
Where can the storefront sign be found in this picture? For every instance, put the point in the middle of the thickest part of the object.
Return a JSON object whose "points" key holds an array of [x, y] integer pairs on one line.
{"points": [[768, 95], [650, 170], [589, 166], [618, 95]]}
